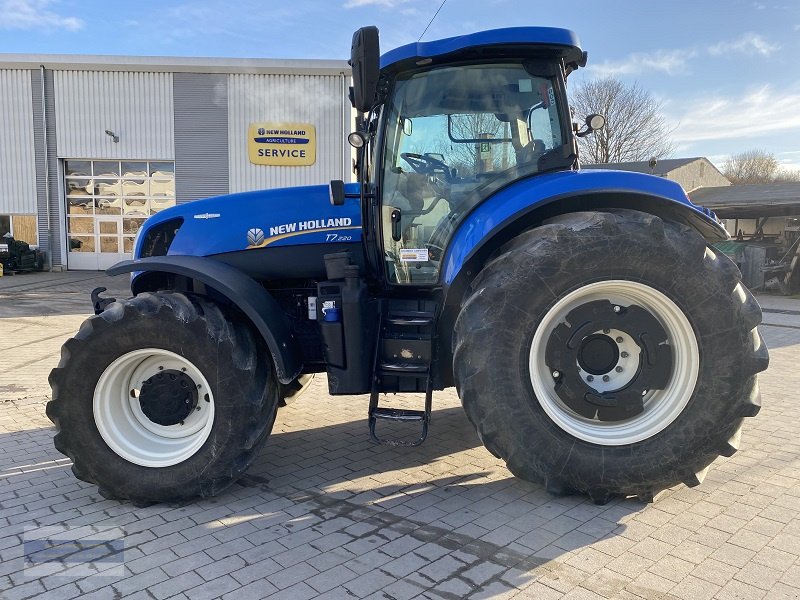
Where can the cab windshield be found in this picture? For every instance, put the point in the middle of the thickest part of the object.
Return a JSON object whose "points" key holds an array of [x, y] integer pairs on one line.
{"points": [[453, 136]]}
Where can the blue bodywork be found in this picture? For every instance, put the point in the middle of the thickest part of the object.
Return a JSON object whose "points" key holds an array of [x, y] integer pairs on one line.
{"points": [[285, 217], [548, 36]]}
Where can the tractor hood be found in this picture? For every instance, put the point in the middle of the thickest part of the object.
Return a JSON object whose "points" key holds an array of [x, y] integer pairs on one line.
{"points": [[260, 219]]}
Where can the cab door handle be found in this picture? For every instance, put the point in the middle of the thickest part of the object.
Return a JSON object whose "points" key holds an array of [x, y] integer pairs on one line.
{"points": [[396, 233]]}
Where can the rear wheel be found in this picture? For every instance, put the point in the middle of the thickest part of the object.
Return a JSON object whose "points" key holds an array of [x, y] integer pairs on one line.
{"points": [[162, 398], [609, 353]]}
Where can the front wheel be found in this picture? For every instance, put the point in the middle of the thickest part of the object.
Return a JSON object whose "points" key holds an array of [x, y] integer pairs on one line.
{"points": [[162, 398], [609, 353]]}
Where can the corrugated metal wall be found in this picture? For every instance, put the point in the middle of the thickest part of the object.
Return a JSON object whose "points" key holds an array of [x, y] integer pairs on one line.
{"points": [[201, 135], [137, 107], [38, 140], [316, 99], [17, 154], [48, 201]]}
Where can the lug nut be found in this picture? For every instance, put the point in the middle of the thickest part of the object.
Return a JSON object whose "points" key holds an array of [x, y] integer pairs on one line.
{"points": [[556, 374], [606, 331], [624, 354], [616, 309], [618, 369], [589, 378], [160, 368], [606, 378], [619, 339], [644, 392]]}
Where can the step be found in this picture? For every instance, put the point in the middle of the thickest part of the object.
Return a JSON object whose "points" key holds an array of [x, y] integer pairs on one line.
{"points": [[420, 320], [399, 414], [403, 368]]}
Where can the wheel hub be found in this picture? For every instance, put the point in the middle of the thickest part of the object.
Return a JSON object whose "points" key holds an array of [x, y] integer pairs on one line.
{"points": [[168, 397], [599, 376], [598, 354]]}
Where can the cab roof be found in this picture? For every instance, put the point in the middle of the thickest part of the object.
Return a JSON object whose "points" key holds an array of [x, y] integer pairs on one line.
{"points": [[561, 43]]}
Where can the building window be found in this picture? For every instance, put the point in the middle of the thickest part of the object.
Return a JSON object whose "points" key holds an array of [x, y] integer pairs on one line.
{"points": [[5, 226], [107, 201]]}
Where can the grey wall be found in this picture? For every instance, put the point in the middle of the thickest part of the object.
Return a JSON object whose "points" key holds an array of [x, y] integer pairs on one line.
{"points": [[135, 106], [201, 135], [17, 154], [317, 99]]}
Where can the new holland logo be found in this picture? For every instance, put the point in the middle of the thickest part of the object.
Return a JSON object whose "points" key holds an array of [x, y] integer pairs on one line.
{"points": [[255, 236]]}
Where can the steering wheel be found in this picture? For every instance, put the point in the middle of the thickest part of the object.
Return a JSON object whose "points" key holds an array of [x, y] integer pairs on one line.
{"points": [[423, 163]]}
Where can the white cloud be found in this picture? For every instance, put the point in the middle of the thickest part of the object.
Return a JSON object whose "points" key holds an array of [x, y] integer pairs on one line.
{"points": [[35, 14], [761, 111], [676, 61], [667, 61], [749, 43]]}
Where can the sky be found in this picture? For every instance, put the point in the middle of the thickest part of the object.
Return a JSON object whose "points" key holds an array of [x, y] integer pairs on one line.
{"points": [[725, 71]]}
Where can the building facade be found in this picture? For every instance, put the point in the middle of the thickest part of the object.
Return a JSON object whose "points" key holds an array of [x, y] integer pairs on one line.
{"points": [[90, 146]]}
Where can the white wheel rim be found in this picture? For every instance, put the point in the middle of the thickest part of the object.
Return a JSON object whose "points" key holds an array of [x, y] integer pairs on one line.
{"points": [[661, 407], [125, 428]]}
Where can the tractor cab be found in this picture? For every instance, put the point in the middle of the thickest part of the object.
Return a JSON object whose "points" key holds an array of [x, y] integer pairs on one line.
{"points": [[446, 124]]}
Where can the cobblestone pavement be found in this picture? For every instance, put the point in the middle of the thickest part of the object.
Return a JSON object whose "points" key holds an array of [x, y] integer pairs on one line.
{"points": [[325, 514]]}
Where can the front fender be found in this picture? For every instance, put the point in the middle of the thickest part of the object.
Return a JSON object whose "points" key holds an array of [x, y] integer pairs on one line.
{"points": [[530, 201], [240, 290]]}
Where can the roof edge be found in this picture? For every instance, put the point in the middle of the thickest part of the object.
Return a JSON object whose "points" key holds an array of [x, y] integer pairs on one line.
{"points": [[174, 64]]}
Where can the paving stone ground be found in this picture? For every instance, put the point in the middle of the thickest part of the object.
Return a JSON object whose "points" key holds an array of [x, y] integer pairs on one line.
{"points": [[323, 513]]}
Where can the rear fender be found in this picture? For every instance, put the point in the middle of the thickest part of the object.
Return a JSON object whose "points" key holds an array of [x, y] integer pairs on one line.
{"points": [[235, 287], [529, 202]]}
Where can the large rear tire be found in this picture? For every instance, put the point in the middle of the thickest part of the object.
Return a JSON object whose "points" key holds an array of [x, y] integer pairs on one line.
{"points": [[609, 353], [162, 398]]}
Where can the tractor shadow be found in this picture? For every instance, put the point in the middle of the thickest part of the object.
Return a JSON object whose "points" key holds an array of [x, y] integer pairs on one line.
{"points": [[347, 502], [448, 496]]}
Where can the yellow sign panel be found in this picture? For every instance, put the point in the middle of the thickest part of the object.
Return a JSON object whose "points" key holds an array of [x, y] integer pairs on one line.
{"points": [[282, 144]]}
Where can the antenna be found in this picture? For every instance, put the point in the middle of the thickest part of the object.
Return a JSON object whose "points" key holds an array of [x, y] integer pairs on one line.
{"points": [[431, 21]]}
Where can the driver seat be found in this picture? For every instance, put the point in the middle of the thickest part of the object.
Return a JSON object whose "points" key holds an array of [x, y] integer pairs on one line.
{"points": [[531, 153]]}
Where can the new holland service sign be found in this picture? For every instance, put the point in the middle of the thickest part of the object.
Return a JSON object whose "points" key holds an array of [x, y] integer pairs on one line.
{"points": [[282, 144]]}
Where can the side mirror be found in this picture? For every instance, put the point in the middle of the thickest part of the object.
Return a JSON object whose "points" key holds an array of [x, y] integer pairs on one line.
{"points": [[336, 191], [365, 61], [408, 126], [594, 122]]}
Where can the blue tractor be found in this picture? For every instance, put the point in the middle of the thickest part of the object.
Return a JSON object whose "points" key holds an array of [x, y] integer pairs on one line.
{"points": [[597, 340]]}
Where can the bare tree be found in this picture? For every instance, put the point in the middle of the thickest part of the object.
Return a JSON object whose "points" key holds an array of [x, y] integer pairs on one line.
{"points": [[635, 128], [787, 176], [756, 166]]}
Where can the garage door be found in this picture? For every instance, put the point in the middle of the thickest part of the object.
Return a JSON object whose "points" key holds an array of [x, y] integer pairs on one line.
{"points": [[107, 202]]}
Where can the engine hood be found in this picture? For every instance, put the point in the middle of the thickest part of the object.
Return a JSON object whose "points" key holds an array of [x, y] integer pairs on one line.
{"points": [[260, 219]]}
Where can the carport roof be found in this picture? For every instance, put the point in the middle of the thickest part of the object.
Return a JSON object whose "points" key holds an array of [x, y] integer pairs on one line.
{"points": [[750, 201]]}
